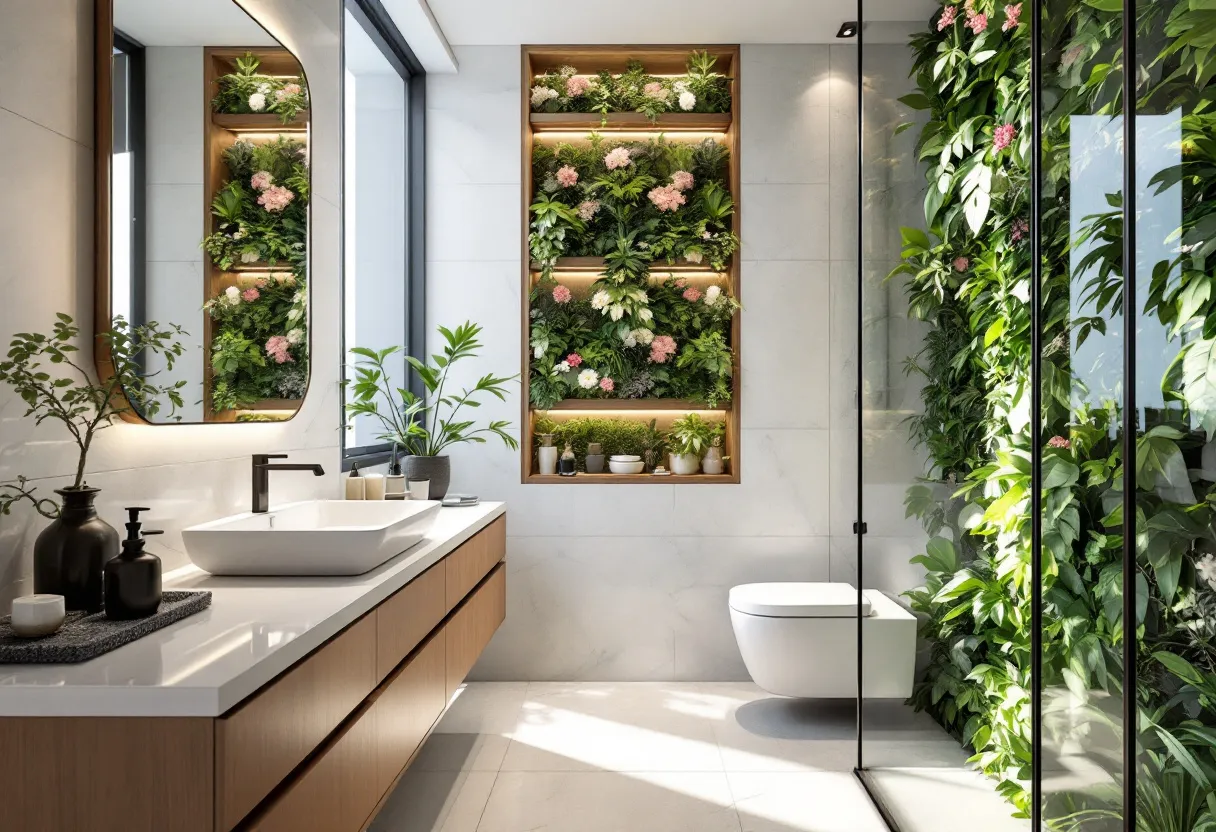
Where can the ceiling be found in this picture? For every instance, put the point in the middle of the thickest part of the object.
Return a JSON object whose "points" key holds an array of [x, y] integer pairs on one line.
{"points": [[188, 23], [484, 22]]}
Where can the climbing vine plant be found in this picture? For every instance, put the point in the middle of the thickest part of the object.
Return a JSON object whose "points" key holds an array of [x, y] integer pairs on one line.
{"points": [[967, 273]]}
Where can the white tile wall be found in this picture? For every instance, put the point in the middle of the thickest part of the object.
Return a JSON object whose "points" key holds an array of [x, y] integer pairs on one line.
{"points": [[186, 474]]}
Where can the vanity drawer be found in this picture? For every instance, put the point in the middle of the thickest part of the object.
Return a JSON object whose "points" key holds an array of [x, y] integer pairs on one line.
{"points": [[473, 625], [407, 708], [476, 557], [404, 620], [258, 744]]}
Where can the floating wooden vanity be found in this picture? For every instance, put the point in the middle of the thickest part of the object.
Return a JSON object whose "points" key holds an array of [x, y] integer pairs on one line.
{"points": [[319, 747]]}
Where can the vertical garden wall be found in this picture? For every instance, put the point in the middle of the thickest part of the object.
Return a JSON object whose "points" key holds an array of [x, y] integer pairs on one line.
{"points": [[968, 271]]}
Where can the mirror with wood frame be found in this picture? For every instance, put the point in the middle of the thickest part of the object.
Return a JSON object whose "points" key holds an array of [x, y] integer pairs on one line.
{"points": [[202, 204]]}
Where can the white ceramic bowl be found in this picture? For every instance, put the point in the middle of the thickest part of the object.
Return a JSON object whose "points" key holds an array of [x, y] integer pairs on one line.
{"points": [[618, 467], [624, 458]]}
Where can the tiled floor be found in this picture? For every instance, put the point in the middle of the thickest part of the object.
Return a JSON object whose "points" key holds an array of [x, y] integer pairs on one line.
{"points": [[681, 757]]}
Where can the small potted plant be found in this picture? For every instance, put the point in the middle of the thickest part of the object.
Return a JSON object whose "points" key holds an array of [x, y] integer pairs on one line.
{"points": [[654, 445], [43, 370], [714, 462], [690, 438], [416, 424]]}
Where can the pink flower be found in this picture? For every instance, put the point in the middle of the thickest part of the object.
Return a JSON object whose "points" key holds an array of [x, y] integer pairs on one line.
{"points": [[947, 19], [277, 348], [1012, 13], [617, 158], [961, 264], [1003, 136], [561, 294], [607, 384], [577, 85], [291, 89], [655, 90], [261, 180], [1019, 230], [574, 359], [692, 294], [681, 282], [567, 176], [666, 198], [662, 348], [977, 23], [275, 198], [705, 235], [250, 295], [588, 209], [1058, 442], [681, 180]]}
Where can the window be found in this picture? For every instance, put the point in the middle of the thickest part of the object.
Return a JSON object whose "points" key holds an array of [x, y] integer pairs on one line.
{"points": [[127, 180], [383, 260]]}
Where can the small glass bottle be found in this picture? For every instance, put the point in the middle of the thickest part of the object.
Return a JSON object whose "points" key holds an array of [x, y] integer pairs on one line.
{"points": [[566, 467]]}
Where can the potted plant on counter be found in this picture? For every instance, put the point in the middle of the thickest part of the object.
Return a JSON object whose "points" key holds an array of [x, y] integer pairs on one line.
{"points": [[44, 371], [691, 437], [415, 423]]}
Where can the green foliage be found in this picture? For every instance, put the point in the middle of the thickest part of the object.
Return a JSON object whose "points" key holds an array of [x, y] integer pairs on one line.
{"points": [[617, 436], [966, 275], [691, 434], [67, 393], [701, 90], [415, 423], [247, 91]]}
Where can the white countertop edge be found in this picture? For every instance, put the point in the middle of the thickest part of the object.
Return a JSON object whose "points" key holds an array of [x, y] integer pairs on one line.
{"points": [[85, 700]]}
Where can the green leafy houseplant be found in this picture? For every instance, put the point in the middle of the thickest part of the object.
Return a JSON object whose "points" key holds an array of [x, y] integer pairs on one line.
{"points": [[426, 426], [248, 91], [690, 434], [44, 372]]}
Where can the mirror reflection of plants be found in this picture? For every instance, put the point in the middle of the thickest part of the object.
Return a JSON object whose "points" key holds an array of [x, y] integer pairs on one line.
{"points": [[247, 91], [259, 346], [44, 372], [427, 426]]}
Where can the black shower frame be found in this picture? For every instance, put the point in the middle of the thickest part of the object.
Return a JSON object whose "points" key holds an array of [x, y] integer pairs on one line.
{"points": [[1129, 419]]}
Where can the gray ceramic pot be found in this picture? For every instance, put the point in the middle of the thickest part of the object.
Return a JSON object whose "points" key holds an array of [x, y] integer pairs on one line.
{"points": [[437, 469]]}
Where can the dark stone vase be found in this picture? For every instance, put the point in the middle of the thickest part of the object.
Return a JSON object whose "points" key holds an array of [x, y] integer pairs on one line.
{"points": [[437, 469], [71, 553]]}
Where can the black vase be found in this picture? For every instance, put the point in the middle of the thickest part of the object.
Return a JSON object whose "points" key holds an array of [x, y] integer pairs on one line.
{"points": [[437, 469], [71, 553]]}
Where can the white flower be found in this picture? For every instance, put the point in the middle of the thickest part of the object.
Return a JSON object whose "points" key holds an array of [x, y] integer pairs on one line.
{"points": [[1206, 568], [238, 235], [693, 255], [561, 367], [680, 86], [644, 336], [264, 89], [542, 94], [630, 338], [538, 351], [639, 295], [600, 299], [687, 101], [1021, 291], [616, 311], [233, 294], [587, 379], [645, 315], [257, 102], [712, 294], [705, 235], [295, 336], [249, 257]]}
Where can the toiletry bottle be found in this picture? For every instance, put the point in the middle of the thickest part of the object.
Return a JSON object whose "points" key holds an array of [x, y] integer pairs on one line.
{"points": [[594, 461], [373, 486], [394, 483], [566, 467], [132, 580], [546, 455], [355, 487]]}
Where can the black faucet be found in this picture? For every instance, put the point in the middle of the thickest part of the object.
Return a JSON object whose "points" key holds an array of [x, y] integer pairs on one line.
{"points": [[261, 478]]}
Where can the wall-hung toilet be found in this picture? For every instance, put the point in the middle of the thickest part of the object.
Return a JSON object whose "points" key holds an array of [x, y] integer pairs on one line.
{"points": [[800, 640]]}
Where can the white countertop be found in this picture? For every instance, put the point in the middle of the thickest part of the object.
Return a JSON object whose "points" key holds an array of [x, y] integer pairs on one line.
{"points": [[254, 629]]}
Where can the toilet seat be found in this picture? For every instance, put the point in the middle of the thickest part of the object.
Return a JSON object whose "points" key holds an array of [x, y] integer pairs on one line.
{"points": [[798, 600]]}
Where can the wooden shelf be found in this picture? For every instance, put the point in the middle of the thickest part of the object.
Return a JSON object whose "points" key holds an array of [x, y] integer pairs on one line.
{"points": [[634, 404], [636, 479], [260, 122], [666, 123], [596, 264]]}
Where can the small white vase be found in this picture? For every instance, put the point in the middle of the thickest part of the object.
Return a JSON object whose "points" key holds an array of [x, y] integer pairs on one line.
{"points": [[712, 462], [546, 455], [685, 464]]}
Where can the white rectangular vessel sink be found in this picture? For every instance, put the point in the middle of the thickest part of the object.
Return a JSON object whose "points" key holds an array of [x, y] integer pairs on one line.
{"points": [[316, 537]]}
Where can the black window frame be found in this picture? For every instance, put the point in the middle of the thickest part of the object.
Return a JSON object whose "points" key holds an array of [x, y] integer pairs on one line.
{"points": [[136, 133], [379, 26]]}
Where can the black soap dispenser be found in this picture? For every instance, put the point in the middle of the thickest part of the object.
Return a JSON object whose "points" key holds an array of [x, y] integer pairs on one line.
{"points": [[132, 580]]}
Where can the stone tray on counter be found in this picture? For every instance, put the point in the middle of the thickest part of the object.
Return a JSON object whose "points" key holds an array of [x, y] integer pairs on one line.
{"points": [[85, 636]]}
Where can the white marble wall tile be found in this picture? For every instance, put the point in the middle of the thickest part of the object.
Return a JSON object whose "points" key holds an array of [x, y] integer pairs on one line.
{"points": [[476, 221], [785, 222], [174, 89], [787, 349], [46, 65], [784, 94], [473, 116], [175, 221]]}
